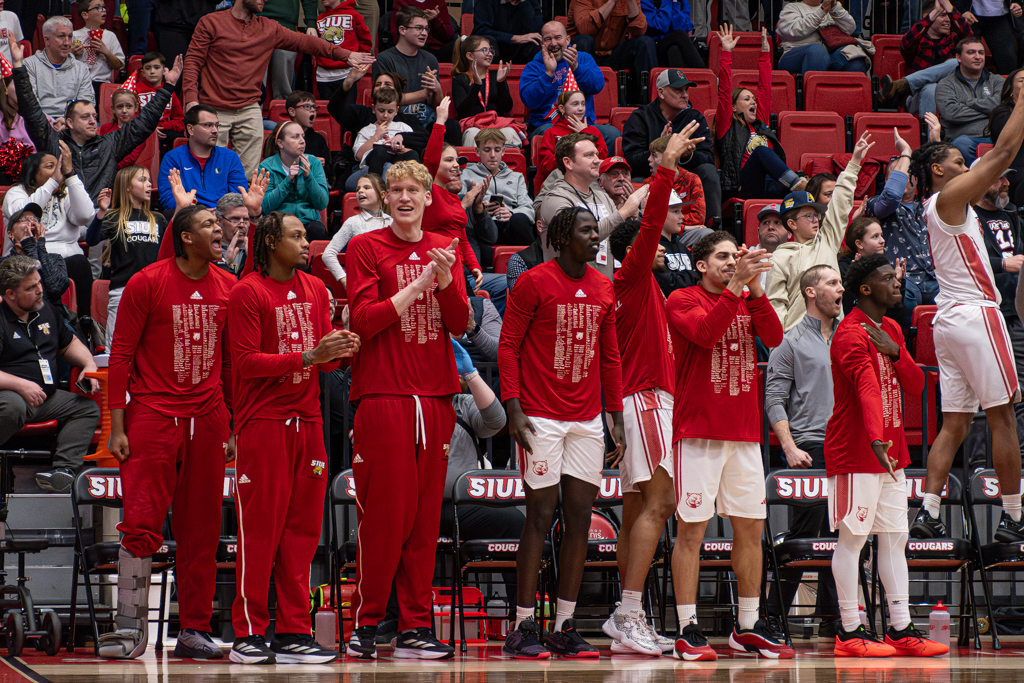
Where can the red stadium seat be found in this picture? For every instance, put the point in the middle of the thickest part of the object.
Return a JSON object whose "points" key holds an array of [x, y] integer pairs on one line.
{"points": [[149, 158], [880, 126], [514, 159], [887, 56], [801, 131], [703, 95], [750, 209], [619, 116], [99, 300], [331, 130], [618, 147], [70, 297], [709, 116], [924, 354], [316, 247], [807, 160], [502, 254], [319, 270], [466, 24], [178, 142], [37, 37], [134, 64], [608, 98], [783, 88], [984, 147], [105, 105], [744, 55], [842, 92], [349, 206]]}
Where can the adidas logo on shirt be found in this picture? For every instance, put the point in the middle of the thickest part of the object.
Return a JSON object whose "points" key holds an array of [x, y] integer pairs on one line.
{"points": [[618, 305], [17, 336], [356, 459], [291, 295], [414, 257], [196, 296], [243, 479], [580, 294]]}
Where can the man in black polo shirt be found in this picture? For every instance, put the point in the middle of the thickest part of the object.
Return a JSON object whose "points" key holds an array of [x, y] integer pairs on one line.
{"points": [[32, 335]]}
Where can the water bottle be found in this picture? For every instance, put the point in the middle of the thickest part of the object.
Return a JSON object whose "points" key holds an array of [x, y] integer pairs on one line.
{"points": [[938, 624], [326, 628]]}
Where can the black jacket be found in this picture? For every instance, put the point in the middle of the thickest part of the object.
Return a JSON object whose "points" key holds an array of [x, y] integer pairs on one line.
{"points": [[1006, 283], [730, 151], [644, 126], [466, 96], [96, 160]]}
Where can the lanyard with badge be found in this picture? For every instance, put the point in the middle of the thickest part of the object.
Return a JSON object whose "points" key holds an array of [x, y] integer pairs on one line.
{"points": [[486, 96], [602, 250], [44, 365]]}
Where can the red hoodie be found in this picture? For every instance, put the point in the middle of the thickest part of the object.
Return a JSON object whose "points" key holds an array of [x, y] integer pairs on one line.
{"points": [[343, 26], [174, 115]]}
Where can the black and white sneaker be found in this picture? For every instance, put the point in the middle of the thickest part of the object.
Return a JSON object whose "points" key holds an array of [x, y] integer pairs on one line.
{"points": [[56, 481], [926, 526], [569, 643], [361, 644], [387, 633], [300, 648], [1008, 530], [251, 650], [420, 643], [193, 644]]}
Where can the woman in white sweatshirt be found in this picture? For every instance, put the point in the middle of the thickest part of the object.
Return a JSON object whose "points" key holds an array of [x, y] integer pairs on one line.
{"points": [[371, 216], [67, 211], [803, 45]]}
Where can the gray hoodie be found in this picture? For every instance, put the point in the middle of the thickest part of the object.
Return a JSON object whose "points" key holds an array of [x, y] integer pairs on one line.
{"points": [[559, 195], [55, 86], [508, 183]]}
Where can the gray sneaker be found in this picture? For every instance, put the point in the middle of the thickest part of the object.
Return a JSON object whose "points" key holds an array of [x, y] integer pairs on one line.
{"points": [[58, 480], [194, 644]]}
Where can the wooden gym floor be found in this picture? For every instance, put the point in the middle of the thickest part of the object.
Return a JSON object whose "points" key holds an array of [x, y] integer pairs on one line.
{"points": [[814, 664]]}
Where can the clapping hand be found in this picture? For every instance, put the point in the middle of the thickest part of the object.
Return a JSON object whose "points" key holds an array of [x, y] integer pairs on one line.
{"points": [[902, 147], [304, 165], [503, 70], [572, 56], [103, 202]]}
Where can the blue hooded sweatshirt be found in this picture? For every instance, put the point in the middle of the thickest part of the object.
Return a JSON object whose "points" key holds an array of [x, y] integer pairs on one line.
{"points": [[539, 92]]}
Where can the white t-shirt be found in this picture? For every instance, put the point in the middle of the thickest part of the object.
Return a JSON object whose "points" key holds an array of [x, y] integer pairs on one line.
{"points": [[367, 131], [10, 26], [99, 68]]}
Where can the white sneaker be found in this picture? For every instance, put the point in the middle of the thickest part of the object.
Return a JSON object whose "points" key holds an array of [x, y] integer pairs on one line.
{"points": [[614, 624], [635, 635], [666, 644]]}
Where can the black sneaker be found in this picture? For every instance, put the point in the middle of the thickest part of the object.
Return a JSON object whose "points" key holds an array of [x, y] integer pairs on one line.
{"points": [[58, 480], [692, 646], [524, 642], [387, 633], [829, 628], [361, 644], [301, 648], [926, 526], [1008, 530], [760, 640], [251, 650], [193, 644], [569, 643], [420, 643]]}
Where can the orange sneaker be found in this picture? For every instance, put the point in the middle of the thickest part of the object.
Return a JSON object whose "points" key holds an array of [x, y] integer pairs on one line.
{"points": [[860, 643], [911, 643]]}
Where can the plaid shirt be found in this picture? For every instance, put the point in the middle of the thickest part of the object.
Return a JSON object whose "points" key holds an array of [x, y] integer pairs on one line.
{"points": [[920, 51]]}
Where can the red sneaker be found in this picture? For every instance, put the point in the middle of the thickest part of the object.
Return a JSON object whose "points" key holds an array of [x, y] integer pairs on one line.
{"points": [[911, 643], [860, 643], [760, 640], [692, 646]]}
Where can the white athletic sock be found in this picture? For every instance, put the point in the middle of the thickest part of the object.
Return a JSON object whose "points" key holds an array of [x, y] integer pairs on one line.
{"points": [[687, 614], [563, 611], [1011, 503], [931, 504], [892, 570], [749, 609], [522, 614], [845, 567], [631, 601]]}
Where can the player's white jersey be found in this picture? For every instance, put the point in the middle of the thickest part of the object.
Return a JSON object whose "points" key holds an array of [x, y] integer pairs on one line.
{"points": [[960, 260]]}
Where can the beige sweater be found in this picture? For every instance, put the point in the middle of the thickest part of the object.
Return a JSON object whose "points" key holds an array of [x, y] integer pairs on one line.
{"points": [[791, 259]]}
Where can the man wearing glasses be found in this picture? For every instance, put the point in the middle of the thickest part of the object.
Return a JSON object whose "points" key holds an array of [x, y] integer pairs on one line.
{"points": [[233, 218], [418, 66], [817, 234], [210, 170]]}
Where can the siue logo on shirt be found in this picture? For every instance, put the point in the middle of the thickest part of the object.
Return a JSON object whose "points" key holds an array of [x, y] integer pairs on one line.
{"points": [[577, 328], [332, 28], [732, 361], [421, 322]]}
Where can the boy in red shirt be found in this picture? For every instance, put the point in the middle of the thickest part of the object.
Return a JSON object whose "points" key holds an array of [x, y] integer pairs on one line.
{"points": [[340, 24], [406, 300], [168, 352], [641, 328], [687, 185], [865, 453], [560, 319], [280, 329], [147, 81], [717, 432]]}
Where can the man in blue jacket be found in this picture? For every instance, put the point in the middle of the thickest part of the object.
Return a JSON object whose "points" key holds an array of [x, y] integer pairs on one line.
{"points": [[210, 170], [542, 80]]}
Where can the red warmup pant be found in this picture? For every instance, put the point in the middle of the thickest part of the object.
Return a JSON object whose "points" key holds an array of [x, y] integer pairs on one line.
{"points": [[280, 484], [179, 462], [399, 486]]}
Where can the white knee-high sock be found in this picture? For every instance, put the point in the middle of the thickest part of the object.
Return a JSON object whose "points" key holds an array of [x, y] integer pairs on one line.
{"points": [[846, 570], [892, 569]]}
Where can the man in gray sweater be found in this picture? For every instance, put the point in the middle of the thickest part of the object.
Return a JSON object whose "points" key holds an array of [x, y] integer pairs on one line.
{"points": [[965, 98], [57, 77], [798, 402]]}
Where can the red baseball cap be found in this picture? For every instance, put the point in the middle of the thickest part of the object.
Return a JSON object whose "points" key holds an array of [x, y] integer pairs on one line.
{"points": [[611, 162]]}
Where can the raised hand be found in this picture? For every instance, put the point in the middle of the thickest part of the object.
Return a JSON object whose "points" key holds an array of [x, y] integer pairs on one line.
{"points": [[304, 165], [550, 64], [361, 59], [766, 45], [861, 149], [680, 145], [181, 197], [103, 201], [632, 204], [253, 196], [17, 53], [572, 56], [171, 77], [443, 260], [902, 147], [749, 266], [442, 110], [728, 39], [934, 127], [900, 268]]}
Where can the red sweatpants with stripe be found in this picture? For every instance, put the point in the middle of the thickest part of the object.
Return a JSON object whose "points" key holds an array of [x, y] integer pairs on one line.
{"points": [[280, 484], [399, 462], [177, 462]]}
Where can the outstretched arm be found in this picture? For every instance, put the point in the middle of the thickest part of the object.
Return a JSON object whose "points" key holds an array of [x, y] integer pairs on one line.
{"points": [[969, 187]]}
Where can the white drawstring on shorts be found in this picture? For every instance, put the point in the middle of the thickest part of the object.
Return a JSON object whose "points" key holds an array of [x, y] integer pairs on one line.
{"points": [[191, 427], [289, 421], [420, 426]]}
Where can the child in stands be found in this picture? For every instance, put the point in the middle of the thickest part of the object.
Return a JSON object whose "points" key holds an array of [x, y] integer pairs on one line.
{"points": [[97, 47], [380, 144], [571, 118], [148, 80], [301, 108], [340, 24], [371, 216], [687, 185], [126, 107]]}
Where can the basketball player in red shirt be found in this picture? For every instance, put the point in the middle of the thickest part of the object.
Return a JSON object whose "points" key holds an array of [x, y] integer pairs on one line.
{"points": [[560, 320], [641, 327], [865, 453], [972, 344], [281, 337], [172, 437], [717, 432], [406, 302]]}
